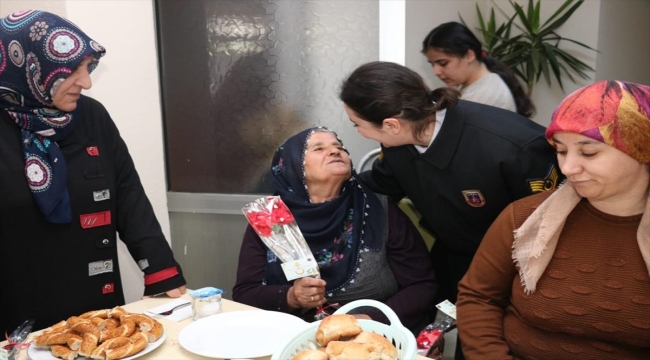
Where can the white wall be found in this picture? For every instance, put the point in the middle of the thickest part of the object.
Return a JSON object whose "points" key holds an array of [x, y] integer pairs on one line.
{"points": [[624, 26], [126, 83], [392, 27]]}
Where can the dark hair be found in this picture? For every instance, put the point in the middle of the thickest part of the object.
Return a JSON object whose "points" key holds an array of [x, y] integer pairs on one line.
{"points": [[380, 90], [456, 39]]}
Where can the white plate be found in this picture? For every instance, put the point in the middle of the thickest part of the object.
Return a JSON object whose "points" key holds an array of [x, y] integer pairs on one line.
{"points": [[240, 334], [44, 353]]}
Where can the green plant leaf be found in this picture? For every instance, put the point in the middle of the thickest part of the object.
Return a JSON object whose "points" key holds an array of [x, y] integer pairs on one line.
{"points": [[575, 64], [481, 23], [552, 60], [462, 21], [568, 73], [558, 11], [530, 14], [535, 50], [559, 22], [545, 71], [492, 22], [534, 55], [522, 17], [536, 16], [578, 43]]}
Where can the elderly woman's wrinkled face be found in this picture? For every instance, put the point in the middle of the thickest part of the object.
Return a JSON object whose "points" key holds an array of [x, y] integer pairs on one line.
{"points": [[326, 159], [598, 172]]}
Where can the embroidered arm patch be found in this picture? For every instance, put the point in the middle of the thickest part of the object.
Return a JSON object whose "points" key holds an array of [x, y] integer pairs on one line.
{"points": [[547, 183]]}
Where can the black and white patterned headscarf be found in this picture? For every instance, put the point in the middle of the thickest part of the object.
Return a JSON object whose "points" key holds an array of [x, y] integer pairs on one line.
{"points": [[38, 51]]}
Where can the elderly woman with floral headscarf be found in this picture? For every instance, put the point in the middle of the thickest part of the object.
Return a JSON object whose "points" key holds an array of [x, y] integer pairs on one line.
{"points": [[67, 182], [365, 247], [565, 274]]}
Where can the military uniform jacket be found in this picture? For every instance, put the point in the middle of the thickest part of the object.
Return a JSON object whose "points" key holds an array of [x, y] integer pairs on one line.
{"points": [[49, 272], [482, 159]]}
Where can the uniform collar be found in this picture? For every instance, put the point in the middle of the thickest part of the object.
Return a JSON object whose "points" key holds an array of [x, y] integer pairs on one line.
{"points": [[444, 146]]}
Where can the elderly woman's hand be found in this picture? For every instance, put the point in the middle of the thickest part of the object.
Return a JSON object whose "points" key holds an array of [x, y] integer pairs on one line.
{"points": [[306, 293]]}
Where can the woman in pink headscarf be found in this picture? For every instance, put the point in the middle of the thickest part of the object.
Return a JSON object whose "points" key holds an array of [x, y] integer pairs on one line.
{"points": [[565, 274]]}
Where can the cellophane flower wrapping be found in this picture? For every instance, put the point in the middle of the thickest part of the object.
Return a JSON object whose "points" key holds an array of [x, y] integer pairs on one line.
{"points": [[272, 220]]}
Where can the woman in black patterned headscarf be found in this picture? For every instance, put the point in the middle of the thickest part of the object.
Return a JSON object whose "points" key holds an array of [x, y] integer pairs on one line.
{"points": [[365, 247], [41, 53], [67, 182]]}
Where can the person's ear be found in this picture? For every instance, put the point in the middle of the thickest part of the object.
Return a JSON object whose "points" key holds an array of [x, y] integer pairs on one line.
{"points": [[470, 55], [392, 125]]}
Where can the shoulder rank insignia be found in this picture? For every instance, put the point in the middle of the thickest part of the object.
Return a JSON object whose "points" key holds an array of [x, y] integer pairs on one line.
{"points": [[545, 184], [474, 197], [381, 156]]}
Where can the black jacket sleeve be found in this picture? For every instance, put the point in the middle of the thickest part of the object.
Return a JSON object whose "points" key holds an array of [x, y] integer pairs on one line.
{"points": [[136, 221], [381, 180]]}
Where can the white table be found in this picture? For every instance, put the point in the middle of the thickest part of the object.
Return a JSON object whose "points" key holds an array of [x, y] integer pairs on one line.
{"points": [[170, 349]]}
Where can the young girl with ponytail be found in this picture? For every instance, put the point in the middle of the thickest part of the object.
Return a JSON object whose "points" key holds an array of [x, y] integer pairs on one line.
{"points": [[457, 59]]}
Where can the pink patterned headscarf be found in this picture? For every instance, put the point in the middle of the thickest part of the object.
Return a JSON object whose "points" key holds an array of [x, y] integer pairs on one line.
{"points": [[616, 113]]}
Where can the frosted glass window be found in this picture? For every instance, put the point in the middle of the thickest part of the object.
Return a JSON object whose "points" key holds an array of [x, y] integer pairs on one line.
{"points": [[239, 77]]}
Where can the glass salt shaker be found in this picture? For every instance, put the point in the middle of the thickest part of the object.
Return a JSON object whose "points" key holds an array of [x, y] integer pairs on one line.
{"points": [[205, 302]]}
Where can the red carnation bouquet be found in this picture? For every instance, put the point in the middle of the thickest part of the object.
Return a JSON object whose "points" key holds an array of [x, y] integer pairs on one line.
{"points": [[271, 219]]}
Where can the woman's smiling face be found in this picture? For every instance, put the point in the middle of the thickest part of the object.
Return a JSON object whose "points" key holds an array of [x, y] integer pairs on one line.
{"points": [[599, 172]]}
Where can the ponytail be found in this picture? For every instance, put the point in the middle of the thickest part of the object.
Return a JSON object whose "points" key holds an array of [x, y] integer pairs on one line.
{"points": [[380, 90], [524, 105], [444, 98]]}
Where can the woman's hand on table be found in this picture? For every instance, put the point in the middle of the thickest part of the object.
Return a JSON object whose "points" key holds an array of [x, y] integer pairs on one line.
{"points": [[306, 293], [173, 293]]}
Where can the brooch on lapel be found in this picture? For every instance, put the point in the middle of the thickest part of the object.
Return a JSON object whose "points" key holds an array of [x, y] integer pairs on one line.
{"points": [[474, 197]]}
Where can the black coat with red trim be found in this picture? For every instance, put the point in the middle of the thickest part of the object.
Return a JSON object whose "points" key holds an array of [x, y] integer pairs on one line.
{"points": [[482, 159], [49, 272]]}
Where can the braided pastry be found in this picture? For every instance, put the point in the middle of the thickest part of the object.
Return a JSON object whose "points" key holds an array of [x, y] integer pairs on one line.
{"points": [[114, 343], [156, 332], [144, 322], [110, 323], [95, 313], [63, 352], [74, 343], [88, 345], [137, 342], [57, 339], [85, 327], [116, 312], [100, 334], [60, 324], [125, 329]]}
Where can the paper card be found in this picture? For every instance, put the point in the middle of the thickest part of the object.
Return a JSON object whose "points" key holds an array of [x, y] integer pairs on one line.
{"points": [[300, 268], [448, 308]]}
